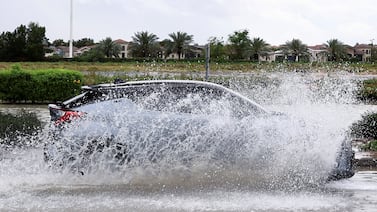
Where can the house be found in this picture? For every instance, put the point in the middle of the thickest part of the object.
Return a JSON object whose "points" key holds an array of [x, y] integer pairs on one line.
{"points": [[82, 50], [61, 51], [174, 55], [363, 52], [318, 53], [194, 51], [350, 51], [124, 45], [273, 56]]}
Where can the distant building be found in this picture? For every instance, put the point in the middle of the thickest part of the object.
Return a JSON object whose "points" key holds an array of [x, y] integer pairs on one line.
{"points": [[124, 51], [82, 50], [350, 51], [61, 51], [363, 52], [318, 53], [275, 56], [194, 51]]}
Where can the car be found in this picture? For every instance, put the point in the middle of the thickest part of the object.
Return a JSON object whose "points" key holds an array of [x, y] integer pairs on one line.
{"points": [[160, 121]]}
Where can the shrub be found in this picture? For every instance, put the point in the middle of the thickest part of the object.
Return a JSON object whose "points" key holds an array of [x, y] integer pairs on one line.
{"points": [[370, 146], [368, 91], [366, 127], [39, 85]]}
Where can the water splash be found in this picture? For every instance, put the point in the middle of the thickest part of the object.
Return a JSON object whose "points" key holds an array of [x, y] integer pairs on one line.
{"points": [[285, 152]]}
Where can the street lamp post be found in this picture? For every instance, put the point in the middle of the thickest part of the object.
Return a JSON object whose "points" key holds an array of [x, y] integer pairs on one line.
{"points": [[208, 49], [70, 33], [372, 52]]}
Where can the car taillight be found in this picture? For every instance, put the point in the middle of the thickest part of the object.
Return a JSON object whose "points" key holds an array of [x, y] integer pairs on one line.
{"points": [[61, 115], [68, 116]]}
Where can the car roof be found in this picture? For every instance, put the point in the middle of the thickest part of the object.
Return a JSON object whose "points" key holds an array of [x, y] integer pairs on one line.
{"points": [[168, 82], [153, 82]]}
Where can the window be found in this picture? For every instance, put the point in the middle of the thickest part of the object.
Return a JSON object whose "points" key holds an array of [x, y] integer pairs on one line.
{"points": [[174, 98]]}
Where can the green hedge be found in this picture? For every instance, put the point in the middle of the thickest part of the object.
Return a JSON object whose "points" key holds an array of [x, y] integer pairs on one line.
{"points": [[369, 146], [17, 85], [368, 90], [366, 127]]}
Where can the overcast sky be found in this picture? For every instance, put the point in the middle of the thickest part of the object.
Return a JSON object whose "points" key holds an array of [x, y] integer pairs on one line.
{"points": [[276, 21]]}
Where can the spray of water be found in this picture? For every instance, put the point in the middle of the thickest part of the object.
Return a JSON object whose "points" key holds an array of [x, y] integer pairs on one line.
{"points": [[287, 151]]}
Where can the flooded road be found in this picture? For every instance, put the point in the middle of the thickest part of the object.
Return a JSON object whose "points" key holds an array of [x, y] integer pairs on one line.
{"points": [[37, 189], [28, 184]]}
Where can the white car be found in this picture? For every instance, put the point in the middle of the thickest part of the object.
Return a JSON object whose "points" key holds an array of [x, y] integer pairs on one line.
{"points": [[150, 121]]}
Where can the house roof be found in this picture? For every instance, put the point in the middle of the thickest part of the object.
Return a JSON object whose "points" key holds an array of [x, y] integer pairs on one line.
{"points": [[120, 41], [362, 46], [198, 47], [318, 47], [86, 47]]}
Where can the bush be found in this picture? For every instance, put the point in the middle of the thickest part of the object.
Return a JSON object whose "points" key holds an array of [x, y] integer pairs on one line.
{"points": [[18, 85], [368, 91], [366, 127], [22, 124], [370, 146]]}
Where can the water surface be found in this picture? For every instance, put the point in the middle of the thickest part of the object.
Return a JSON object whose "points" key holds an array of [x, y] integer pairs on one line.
{"points": [[321, 107]]}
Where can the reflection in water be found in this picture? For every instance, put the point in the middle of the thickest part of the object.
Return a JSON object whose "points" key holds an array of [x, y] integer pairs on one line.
{"points": [[326, 106]]}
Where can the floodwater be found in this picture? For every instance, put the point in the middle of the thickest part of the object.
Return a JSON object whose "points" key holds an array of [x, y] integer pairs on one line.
{"points": [[322, 108]]}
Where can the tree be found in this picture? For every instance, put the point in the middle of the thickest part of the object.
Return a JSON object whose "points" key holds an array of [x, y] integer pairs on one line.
{"points": [[35, 42], [217, 48], [239, 44], [167, 47], [59, 42], [296, 49], [24, 43], [109, 48], [17, 44], [3, 46], [144, 44], [83, 42], [180, 42], [373, 57], [336, 49], [258, 47]]}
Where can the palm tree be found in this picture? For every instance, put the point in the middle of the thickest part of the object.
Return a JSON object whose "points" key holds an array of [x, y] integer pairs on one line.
{"points": [[295, 48], [336, 49], [144, 44], [167, 47], [180, 42], [258, 48], [109, 48]]}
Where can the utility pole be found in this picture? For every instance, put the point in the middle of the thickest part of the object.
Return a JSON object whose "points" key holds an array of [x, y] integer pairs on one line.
{"points": [[70, 33], [372, 52], [208, 49]]}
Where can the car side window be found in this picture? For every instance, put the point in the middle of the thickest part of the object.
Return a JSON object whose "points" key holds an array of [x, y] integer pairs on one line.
{"points": [[176, 98], [171, 98]]}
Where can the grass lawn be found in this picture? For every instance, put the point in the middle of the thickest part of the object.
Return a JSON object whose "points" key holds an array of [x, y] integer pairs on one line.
{"points": [[196, 66], [96, 72]]}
